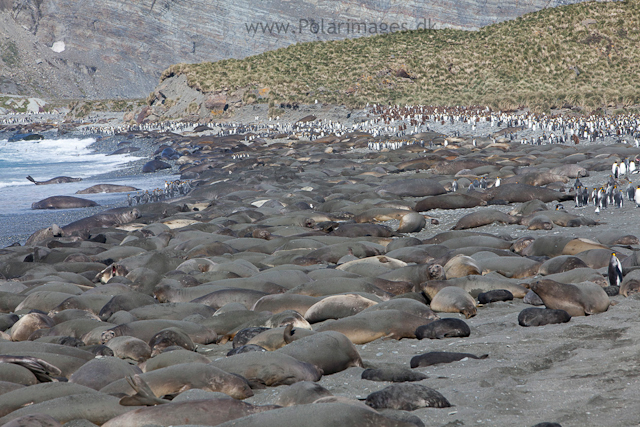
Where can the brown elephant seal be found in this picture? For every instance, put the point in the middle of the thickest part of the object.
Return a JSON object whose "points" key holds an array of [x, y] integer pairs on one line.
{"points": [[630, 284], [185, 376], [328, 351], [56, 180], [520, 193], [484, 217], [521, 244], [108, 218], [528, 208], [337, 307], [453, 299], [369, 326], [130, 348], [407, 397], [329, 411], [278, 303], [448, 201], [542, 316], [107, 188], [461, 266], [170, 337], [196, 412], [269, 368], [100, 372], [441, 357], [275, 338], [494, 296], [560, 264], [301, 393], [444, 328], [35, 420], [63, 202], [28, 324], [538, 222], [392, 373], [416, 187], [577, 300], [410, 221]]}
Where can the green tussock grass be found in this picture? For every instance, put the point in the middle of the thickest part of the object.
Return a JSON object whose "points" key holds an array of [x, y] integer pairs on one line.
{"points": [[541, 60]]}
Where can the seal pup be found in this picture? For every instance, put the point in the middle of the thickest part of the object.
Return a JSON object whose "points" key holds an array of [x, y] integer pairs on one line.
{"points": [[542, 316], [444, 328], [439, 357]]}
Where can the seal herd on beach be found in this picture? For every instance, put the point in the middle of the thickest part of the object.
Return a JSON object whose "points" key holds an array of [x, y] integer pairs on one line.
{"points": [[276, 261]]}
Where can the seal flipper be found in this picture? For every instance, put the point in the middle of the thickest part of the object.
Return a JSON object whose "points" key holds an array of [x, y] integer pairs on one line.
{"points": [[30, 178]]}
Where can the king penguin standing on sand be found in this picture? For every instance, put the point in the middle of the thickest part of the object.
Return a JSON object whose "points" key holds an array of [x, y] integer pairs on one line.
{"points": [[615, 271]]}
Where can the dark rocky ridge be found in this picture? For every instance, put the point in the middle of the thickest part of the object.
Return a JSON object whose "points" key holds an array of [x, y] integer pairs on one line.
{"points": [[119, 49]]}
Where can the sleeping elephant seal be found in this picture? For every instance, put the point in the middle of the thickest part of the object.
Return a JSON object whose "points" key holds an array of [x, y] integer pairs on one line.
{"points": [[448, 201], [328, 351], [461, 266], [368, 326], [268, 368], [410, 221], [185, 376], [107, 188], [155, 165], [301, 393], [63, 202], [577, 300], [56, 180], [630, 284], [320, 414], [108, 218], [542, 316], [444, 328], [484, 217], [453, 299], [190, 412], [337, 307], [407, 397]]}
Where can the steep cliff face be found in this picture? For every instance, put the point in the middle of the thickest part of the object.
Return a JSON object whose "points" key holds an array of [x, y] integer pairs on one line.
{"points": [[109, 48]]}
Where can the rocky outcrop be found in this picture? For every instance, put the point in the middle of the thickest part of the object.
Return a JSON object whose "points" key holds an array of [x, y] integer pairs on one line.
{"points": [[117, 49]]}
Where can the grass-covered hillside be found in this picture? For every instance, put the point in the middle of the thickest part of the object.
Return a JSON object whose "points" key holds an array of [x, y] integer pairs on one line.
{"points": [[586, 55]]}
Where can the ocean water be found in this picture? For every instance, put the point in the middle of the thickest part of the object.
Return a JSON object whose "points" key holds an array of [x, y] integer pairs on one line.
{"points": [[50, 158]]}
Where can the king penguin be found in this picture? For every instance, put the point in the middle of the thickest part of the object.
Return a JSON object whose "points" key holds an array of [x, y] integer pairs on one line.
{"points": [[615, 271]]}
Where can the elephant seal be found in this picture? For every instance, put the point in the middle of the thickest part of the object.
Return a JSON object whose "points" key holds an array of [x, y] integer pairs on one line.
{"points": [[56, 180], [324, 412], [108, 218], [532, 298], [170, 337], [155, 165], [495, 295], [63, 202], [243, 336], [107, 188], [394, 373], [542, 316], [268, 368], [439, 357], [539, 222], [453, 299], [416, 187], [185, 376], [337, 307], [448, 201], [520, 193], [560, 264], [100, 372], [301, 393], [275, 338], [130, 348], [196, 412], [630, 284], [368, 326], [483, 217], [407, 397], [577, 300], [328, 351], [461, 266], [35, 420], [443, 328], [245, 349]]}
